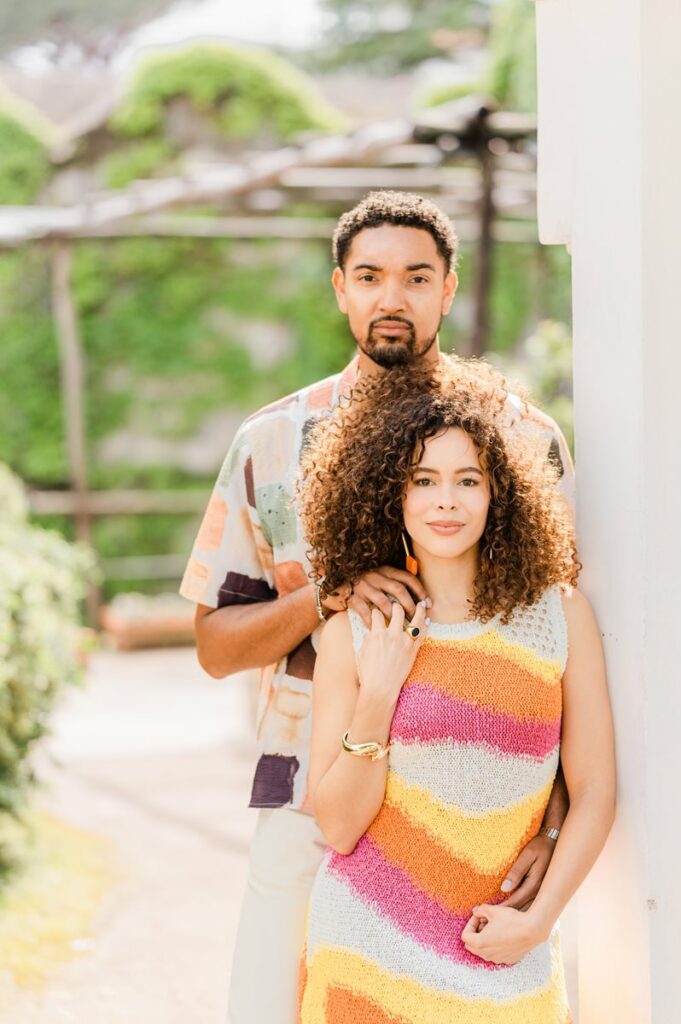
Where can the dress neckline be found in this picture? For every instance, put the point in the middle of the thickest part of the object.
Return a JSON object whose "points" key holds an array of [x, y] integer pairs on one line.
{"points": [[470, 627]]}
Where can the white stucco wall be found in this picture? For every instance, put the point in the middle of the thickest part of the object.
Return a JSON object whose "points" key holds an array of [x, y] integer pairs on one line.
{"points": [[610, 187]]}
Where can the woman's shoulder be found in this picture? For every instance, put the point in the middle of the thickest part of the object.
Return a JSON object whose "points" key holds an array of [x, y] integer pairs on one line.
{"points": [[577, 608], [336, 644], [338, 629]]}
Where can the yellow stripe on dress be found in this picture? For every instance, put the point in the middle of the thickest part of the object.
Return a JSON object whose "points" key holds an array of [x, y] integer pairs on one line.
{"points": [[407, 1000], [483, 840]]}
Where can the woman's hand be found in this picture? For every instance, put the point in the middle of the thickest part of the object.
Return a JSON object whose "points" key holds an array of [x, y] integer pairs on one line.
{"points": [[501, 935], [388, 652]]}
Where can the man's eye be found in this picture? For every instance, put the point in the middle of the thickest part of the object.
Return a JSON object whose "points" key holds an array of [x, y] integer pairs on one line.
{"points": [[419, 279], [367, 277]]}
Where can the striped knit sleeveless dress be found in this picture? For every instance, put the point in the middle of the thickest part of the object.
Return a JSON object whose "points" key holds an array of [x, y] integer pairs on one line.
{"points": [[474, 751]]}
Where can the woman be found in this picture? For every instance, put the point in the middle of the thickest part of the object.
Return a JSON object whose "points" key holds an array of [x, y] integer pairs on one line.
{"points": [[435, 742]]}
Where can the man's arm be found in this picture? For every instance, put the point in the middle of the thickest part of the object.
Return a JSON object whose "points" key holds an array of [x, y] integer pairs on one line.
{"points": [[242, 636], [525, 877]]}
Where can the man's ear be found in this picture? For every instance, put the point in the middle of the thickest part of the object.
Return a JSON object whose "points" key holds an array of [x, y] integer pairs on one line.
{"points": [[338, 282], [451, 284]]}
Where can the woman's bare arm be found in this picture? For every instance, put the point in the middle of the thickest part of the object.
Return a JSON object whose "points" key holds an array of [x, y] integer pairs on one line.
{"points": [[347, 791]]}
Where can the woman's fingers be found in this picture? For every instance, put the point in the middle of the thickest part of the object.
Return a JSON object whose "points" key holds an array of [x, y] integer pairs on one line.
{"points": [[419, 619], [377, 621]]}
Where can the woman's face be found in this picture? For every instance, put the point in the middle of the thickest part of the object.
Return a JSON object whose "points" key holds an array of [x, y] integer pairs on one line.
{"points": [[447, 497]]}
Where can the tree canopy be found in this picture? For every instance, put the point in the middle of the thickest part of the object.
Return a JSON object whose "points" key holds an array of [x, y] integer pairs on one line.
{"points": [[80, 21]]}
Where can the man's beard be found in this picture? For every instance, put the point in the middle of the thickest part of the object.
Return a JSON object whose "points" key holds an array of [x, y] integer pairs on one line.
{"points": [[401, 351]]}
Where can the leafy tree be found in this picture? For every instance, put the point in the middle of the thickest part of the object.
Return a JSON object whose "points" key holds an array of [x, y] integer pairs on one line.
{"points": [[388, 35], [79, 22], [24, 165], [42, 582]]}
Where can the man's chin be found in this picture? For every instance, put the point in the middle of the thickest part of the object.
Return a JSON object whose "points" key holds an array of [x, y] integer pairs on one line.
{"points": [[389, 355]]}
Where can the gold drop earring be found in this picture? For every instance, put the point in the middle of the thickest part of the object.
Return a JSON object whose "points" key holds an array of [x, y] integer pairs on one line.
{"points": [[411, 562]]}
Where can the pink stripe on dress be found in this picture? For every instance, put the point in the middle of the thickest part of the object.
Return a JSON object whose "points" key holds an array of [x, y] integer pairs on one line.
{"points": [[423, 714], [392, 893]]}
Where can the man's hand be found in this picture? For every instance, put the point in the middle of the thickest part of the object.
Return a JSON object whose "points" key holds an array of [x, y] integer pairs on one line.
{"points": [[527, 874], [378, 589]]}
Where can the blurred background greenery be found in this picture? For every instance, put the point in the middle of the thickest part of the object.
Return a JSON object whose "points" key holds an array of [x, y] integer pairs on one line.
{"points": [[182, 337]]}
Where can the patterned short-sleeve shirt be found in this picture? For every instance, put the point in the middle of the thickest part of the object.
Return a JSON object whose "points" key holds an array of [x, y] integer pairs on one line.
{"points": [[250, 548]]}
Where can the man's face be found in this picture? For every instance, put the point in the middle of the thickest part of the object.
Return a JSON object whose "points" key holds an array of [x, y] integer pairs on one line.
{"points": [[395, 290]]}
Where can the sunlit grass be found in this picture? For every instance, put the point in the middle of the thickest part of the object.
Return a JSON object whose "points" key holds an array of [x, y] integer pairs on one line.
{"points": [[48, 908]]}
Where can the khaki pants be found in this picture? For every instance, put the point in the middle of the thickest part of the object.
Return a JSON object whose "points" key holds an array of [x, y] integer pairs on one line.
{"points": [[286, 851]]}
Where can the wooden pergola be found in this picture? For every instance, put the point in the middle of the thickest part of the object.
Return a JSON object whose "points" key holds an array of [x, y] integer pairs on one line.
{"points": [[478, 163]]}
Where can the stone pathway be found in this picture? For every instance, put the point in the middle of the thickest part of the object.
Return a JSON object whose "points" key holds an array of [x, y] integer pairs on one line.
{"points": [[155, 757]]}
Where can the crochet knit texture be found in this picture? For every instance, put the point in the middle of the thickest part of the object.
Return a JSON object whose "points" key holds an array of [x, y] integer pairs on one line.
{"points": [[474, 751]]}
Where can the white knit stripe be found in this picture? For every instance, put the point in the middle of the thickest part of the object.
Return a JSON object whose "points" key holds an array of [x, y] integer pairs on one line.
{"points": [[541, 628], [475, 778], [339, 919], [359, 630]]}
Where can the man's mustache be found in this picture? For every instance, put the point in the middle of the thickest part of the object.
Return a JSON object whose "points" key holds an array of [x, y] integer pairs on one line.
{"points": [[391, 320]]}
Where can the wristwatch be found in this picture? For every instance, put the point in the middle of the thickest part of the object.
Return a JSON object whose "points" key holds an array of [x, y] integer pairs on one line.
{"points": [[550, 833]]}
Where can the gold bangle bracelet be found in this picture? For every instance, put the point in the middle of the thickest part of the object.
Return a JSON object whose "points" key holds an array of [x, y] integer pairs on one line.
{"points": [[371, 749]]}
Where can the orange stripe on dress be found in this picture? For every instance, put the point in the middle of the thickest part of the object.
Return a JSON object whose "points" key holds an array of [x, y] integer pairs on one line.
{"points": [[494, 681], [451, 881], [346, 1007]]}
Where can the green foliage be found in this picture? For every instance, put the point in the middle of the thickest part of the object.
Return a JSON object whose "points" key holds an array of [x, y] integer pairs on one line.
{"points": [[24, 166], [240, 92], [512, 75], [384, 36], [134, 161], [42, 580], [447, 93], [28, 22], [176, 331]]}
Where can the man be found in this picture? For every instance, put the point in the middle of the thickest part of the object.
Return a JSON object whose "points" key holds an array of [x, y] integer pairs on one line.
{"points": [[394, 279]]}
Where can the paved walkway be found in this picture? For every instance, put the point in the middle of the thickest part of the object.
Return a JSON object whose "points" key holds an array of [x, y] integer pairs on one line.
{"points": [[156, 757]]}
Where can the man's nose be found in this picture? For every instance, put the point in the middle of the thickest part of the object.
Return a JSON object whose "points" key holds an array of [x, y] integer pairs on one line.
{"points": [[392, 297]]}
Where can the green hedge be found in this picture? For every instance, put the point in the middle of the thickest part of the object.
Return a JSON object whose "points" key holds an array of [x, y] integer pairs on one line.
{"points": [[42, 581], [163, 321]]}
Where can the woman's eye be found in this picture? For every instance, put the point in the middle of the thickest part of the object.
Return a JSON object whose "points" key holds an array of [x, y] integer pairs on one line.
{"points": [[469, 481], [423, 482]]}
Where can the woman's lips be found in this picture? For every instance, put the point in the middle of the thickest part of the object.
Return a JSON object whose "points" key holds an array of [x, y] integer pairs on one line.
{"points": [[444, 528]]}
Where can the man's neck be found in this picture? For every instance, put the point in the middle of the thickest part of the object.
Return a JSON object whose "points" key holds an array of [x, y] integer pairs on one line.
{"points": [[367, 366]]}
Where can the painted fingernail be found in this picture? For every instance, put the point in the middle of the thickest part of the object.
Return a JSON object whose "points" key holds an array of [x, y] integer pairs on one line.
{"points": [[427, 621], [429, 603], [506, 885]]}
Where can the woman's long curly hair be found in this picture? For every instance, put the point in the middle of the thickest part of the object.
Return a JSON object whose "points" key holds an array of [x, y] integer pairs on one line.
{"points": [[357, 463]]}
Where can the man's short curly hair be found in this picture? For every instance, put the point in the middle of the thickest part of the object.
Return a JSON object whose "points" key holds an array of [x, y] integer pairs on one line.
{"points": [[357, 465], [404, 209]]}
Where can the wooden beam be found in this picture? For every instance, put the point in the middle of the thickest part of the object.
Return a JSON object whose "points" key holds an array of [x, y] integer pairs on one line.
{"points": [[73, 387], [118, 502], [484, 245]]}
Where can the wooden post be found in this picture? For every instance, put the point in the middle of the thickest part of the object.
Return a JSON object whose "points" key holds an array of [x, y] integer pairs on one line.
{"points": [[72, 383], [483, 269]]}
